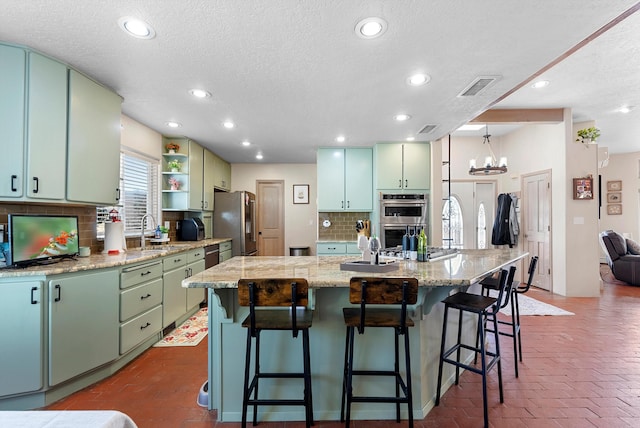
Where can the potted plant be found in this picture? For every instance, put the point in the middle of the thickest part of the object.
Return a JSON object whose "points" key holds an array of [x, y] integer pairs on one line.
{"points": [[164, 232], [172, 147], [174, 183], [174, 165], [588, 135]]}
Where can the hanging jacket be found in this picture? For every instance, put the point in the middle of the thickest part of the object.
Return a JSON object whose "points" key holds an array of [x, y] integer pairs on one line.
{"points": [[501, 234], [514, 227]]}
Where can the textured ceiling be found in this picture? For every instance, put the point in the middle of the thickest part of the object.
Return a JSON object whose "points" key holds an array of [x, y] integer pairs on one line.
{"points": [[293, 75]]}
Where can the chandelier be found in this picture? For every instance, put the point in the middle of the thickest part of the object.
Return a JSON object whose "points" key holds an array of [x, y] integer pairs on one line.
{"points": [[490, 166]]}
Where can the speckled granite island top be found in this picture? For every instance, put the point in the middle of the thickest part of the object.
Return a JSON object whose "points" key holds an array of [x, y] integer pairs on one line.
{"points": [[466, 268], [102, 261]]}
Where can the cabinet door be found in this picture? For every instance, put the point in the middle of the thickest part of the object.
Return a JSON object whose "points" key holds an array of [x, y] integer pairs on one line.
{"points": [[47, 129], [330, 164], [208, 177], [358, 179], [174, 296], [222, 174], [196, 159], [21, 330], [93, 150], [12, 81], [83, 323], [389, 166], [417, 166], [194, 295]]}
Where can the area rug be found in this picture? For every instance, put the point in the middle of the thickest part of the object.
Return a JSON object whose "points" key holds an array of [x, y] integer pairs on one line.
{"points": [[531, 306], [190, 333]]}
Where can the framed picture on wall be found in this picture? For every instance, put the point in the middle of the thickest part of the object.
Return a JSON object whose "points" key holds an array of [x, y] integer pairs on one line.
{"points": [[300, 193], [614, 198], [614, 185], [583, 188], [614, 209]]}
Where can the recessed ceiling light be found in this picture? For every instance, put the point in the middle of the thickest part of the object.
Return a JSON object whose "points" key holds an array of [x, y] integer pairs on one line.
{"points": [[370, 28], [199, 93], [246, 143], [136, 27], [173, 124], [418, 79], [402, 117], [540, 84], [228, 124], [411, 138], [625, 109], [259, 156], [340, 138], [470, 127]]}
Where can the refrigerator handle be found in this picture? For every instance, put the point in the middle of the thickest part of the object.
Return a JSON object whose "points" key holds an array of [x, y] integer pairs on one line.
{"points": [[253, 220]]}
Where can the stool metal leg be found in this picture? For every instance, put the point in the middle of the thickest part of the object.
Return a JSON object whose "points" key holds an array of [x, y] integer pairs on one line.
{"points": [[483, 362], [442, 347], [345, 374], [245, 395], [396, 367], [257, 379], [351, 335], [308, 398], [408, 383], [517, 315], [459, 347]]}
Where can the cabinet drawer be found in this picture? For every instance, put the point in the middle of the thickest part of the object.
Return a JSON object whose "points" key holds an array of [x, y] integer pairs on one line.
{"points": [[138, 274], [225, 246], [140, 328], [174, 262], [195, 255], [139, 299], [331, 248]]}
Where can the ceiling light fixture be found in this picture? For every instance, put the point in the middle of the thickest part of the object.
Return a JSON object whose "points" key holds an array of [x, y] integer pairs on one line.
{"points": [[625, 109], [540, 84], [418, 79], [402, 117], [199, 93], [470, 127], [370, 28], [228, 124], [246, 143], [173, 124], [410, 138], [136, 27], [340, 138], [490, 166], [259, 156]]}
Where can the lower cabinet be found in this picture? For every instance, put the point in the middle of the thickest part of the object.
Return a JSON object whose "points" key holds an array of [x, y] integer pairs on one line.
{"points": [[226, 251], [174, 297], [83, 322], [337, 248], [21, 324], [195, 260]]}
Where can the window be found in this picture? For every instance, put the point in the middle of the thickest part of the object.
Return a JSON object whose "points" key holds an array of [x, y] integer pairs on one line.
{"points": [[482, 227], [139, 194], [452, 228]]}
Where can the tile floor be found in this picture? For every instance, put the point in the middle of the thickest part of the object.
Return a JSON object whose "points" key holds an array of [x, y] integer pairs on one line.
{"points": [[578, 371]]}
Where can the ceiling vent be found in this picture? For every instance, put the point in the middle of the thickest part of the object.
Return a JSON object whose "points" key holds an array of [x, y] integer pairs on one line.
{"points": [[427, 129], [478, 85]]}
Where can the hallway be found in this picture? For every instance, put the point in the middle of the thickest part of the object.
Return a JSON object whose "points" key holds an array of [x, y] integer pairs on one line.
{"points": [[577, 371]]}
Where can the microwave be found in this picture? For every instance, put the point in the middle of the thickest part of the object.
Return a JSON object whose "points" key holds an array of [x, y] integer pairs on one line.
{"points": [[404, 209]]}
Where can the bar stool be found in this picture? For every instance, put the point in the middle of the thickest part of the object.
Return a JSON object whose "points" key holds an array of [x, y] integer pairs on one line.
{"points": [[281, 292], [379, 291], [491, 283], [481, 306]]}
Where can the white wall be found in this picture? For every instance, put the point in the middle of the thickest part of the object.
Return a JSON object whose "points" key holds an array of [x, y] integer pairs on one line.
{"points": [[623, 167], [300, 220]]}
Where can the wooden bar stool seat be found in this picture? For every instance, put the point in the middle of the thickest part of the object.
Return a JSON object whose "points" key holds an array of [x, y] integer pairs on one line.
{"points": [[379, 291], [278, 294]]}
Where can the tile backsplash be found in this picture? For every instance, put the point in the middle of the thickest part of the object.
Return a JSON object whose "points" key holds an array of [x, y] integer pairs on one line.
{"points": [[343, 225]]}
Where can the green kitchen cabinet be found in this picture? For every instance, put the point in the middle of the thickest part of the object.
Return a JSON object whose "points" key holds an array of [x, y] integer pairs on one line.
{"points": [[195, 265], [83, 322], [345, 179], [93, 154], [403, 166], [222, 174], [174, 296], [208, 179], [12, 121], [21, 327], [196, 173]]}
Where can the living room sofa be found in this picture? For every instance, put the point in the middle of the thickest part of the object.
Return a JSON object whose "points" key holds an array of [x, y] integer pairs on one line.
{"points": [[623, 256]]}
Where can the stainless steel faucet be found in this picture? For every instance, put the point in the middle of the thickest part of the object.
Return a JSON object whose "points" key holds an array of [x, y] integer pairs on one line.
{"points": [[142, 238]]}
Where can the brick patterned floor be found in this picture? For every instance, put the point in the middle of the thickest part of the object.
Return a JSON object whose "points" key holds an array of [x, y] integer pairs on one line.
{"points": [[578, 371]]}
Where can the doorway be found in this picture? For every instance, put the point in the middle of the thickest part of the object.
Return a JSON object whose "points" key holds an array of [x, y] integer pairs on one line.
{"points": [[536, 224], [472, 214], [270, 202]]}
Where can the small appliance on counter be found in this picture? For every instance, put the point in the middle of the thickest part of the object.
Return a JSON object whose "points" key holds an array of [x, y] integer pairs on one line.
{"points": [[190, 229]]}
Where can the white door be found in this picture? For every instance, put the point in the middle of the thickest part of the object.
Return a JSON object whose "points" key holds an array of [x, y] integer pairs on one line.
{"points": [[472, 214], [536, 213]]}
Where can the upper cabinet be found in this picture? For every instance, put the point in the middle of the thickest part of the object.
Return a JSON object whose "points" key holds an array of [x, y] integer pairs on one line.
{"points": [[94, 134], [221, 173], [345, 179], [403, 166], [54, 120]]}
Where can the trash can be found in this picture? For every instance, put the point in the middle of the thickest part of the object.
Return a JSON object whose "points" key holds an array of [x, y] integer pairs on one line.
{"points": [[298, 251]]}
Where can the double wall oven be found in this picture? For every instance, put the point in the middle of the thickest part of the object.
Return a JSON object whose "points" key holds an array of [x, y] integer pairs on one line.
{"points": [[399, 212]]}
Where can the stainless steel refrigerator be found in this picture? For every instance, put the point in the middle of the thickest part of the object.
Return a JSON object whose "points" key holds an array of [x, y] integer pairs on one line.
{"points": [[234, 216]]}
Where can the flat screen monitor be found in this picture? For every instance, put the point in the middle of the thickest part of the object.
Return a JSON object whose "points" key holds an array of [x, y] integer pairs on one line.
{"points": [[42, 238]]}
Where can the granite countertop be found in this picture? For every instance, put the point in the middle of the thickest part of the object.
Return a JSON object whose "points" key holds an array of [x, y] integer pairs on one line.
{"points": [[102, 261], [466, 268]]}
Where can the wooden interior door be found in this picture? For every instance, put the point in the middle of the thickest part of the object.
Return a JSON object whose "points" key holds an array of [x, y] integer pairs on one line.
{"points": [[270, 206], [536, 223]]}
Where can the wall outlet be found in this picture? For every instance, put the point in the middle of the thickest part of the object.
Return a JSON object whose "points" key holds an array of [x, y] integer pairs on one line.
{"points": [[167, 224]]}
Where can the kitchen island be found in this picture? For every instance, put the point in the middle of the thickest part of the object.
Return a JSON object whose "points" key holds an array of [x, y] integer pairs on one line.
{"points": [[329, 293]]}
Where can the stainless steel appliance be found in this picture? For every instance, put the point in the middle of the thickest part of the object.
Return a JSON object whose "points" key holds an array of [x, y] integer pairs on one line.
{"points": [[399, 211], [190, 229], [211, 255], [234, 217]]}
